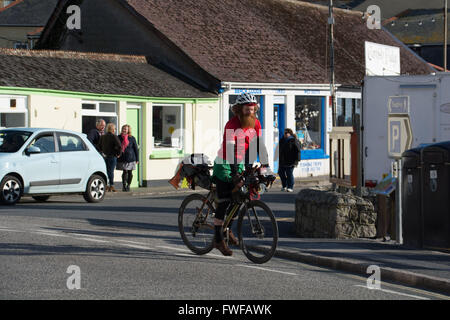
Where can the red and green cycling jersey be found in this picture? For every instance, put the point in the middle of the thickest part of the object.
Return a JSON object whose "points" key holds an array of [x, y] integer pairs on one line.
{"points": [[234, 151]]}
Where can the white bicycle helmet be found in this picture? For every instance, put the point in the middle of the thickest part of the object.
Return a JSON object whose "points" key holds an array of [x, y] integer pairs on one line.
{"points": [[245, 98]]}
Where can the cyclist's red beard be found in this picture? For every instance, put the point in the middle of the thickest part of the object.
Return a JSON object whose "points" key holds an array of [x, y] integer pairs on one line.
{"points": [[247, 121]]}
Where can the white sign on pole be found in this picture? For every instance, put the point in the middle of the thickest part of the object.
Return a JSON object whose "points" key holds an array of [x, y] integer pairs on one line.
{"points": [[382, 60], [399, 135]]}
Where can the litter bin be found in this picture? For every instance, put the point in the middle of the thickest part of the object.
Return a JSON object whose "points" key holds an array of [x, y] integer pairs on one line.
{"points": [[411, 197], [436, 195]]}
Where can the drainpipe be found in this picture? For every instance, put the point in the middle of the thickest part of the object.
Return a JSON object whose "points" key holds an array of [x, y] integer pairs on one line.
{"points": [[445, 33]]}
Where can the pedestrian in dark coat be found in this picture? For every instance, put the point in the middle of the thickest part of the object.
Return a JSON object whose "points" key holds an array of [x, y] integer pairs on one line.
{"points": [[110, 147], [129, 158], [95, 133], [289, 158]]}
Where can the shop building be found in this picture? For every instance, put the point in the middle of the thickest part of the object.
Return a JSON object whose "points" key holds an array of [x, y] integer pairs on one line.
{"points": [[70, 90], [276, 49]]}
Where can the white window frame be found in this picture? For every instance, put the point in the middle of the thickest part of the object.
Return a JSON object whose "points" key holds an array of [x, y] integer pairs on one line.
{"points": [[96, 112], [23, 110], [182, 127]]}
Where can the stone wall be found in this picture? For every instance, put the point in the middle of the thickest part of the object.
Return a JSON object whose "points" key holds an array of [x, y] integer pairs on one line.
{"points": [[329, 214]]}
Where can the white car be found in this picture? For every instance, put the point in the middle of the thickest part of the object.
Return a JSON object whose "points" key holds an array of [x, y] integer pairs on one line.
{"points": [[43, 162]]}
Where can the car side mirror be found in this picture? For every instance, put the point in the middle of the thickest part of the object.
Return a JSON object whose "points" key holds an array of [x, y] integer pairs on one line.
{"points": [[32, 150]]}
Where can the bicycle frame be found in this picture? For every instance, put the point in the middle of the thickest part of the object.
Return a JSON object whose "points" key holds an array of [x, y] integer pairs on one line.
{"points": [[243, 206]]}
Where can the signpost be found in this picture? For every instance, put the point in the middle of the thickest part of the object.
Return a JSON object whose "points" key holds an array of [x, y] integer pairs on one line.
{"points": [[399, 135], [400, 138]]}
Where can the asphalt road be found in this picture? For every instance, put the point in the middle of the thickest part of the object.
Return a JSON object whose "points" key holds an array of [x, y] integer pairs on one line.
{"points": [[129, 248]]}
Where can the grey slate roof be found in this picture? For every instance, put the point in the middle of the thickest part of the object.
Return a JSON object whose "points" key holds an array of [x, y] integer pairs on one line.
{"points": [[281, 41], [91, 73], [28, 13]]}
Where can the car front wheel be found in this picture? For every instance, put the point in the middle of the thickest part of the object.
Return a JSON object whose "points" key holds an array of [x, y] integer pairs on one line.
{"points": [[95, 189], [10, 190]]}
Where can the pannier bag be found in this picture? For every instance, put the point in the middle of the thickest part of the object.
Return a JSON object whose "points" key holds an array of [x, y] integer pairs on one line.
{"points": [[193, 168]]}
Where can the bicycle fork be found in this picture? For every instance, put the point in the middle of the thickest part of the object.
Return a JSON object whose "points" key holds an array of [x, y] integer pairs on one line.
{"points": [[256, 227]]}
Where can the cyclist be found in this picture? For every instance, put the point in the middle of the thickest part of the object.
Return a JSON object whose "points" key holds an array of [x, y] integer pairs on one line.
{"points": [[241, 145]]}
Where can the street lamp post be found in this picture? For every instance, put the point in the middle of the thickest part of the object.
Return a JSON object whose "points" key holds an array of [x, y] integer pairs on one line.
{"points": [[332, 78], [445, 33]]}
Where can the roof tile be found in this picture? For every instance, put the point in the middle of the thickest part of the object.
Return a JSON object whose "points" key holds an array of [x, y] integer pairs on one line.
{"points": [[91, 73]]}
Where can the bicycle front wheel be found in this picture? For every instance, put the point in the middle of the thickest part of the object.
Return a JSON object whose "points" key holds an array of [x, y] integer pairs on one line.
{"points": [[258, 232], [195, 222]]}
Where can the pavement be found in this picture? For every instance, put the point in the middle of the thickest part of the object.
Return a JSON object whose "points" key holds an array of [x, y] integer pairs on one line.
{"points": [[415, 267]]}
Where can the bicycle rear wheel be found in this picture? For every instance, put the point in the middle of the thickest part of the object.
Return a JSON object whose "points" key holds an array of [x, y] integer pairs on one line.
{"points": [[195, 222], [258, 232]]}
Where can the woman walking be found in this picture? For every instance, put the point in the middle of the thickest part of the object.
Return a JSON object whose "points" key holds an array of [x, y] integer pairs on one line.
{"points": [[110, 147], [129, 158], [289, 158]]}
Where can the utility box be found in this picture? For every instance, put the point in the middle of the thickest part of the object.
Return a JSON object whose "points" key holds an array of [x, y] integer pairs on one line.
{"points": [[412, 219], [421, 104], [436, 195]]}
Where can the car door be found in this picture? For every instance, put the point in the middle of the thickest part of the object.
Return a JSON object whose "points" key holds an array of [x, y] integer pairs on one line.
{"points": [[42, 169], [74, 156]]}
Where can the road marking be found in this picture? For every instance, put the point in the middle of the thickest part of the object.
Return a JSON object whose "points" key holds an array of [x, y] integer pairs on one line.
{"points": [[10, 230], [84, 235], [183, 255], [266, 269], [393, 292], [388, 284], [51, 234], [134, 246], [132, 242], [92, 240], [173, 248], [192, 254]]}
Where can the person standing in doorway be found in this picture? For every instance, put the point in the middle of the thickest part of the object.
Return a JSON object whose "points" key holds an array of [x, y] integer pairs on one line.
{"points": [[111, 148], [95, 133], [129, 158], [289, 158]]}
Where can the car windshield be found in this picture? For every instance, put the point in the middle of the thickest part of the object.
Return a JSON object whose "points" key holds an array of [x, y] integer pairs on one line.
{"points": [[12, 141]]}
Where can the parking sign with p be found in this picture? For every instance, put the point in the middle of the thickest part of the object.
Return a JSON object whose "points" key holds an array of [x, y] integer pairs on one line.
{"points": [[399, 135]]}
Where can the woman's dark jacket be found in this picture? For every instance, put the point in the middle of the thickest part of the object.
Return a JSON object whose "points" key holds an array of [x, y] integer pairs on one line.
{"points": [[109, 145], [131, 152], [289, 152]]}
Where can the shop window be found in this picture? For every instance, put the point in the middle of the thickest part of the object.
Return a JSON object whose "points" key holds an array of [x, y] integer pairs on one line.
{"points": [[168, 126], [93, 111], [10, 120], [346, 109], [13, 111], [308, 124]]}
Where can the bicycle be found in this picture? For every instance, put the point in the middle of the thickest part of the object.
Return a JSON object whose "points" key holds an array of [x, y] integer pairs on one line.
{"points": [[256, 226]]}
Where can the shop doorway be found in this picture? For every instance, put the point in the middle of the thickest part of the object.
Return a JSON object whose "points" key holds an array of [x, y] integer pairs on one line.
{"points": [[134, 120], [279, 124]]}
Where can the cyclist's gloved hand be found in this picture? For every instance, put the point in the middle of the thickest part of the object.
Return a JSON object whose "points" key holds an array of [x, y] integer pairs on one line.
{"points": [[256, 165]]}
